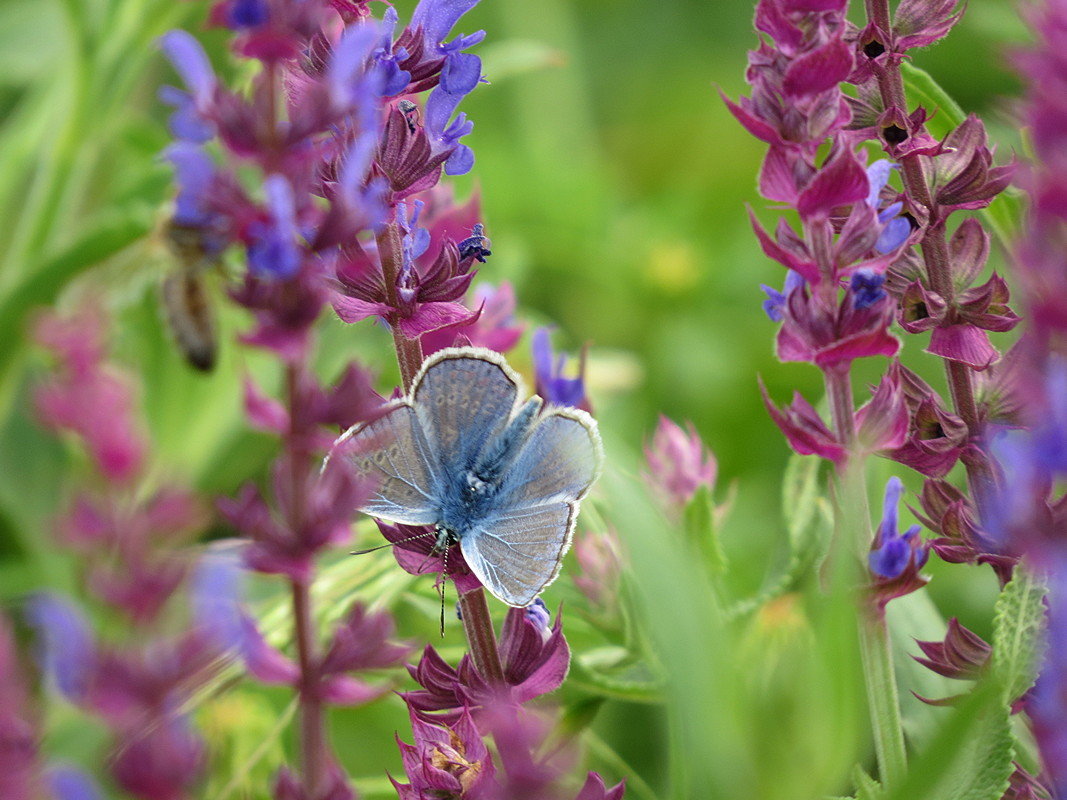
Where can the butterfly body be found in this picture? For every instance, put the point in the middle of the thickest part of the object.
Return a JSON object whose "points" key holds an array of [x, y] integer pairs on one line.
{"points": [[503, 480]]}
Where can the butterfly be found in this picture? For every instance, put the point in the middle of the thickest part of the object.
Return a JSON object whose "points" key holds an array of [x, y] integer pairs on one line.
{"points": [[502, 479]]}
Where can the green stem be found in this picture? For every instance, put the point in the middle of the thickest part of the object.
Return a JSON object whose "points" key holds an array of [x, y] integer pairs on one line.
{"points": [[882, 699], [852, 519]]}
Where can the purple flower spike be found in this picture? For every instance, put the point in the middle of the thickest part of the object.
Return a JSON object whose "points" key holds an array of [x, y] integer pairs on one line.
{"points": [[67, 650], [551, 383], [273, 251], [191, 62]]}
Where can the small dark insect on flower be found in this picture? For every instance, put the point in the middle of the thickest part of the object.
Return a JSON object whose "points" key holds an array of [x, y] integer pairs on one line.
{"points": [[186, 301], [411, 113], [476, 245]]}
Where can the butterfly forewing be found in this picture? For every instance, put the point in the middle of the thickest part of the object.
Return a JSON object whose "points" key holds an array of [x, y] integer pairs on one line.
{"points": [[557, 463], [393, 451], [517, 553], [462, 402]]}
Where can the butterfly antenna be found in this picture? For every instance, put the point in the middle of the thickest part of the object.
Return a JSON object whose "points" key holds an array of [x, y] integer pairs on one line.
{"points": [[441, 589], [391, 544]]}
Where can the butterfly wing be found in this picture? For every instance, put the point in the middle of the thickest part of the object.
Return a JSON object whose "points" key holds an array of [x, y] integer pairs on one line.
{"points": [[393, 451], [463, 398], [558, 462], [518, 553], [518, 549]]}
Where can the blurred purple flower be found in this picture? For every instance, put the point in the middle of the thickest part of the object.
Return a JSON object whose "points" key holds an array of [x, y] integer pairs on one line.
{"points": [[247, 13], [89, 397], [550, 381], [679, 463], [163, 761], [68, 783], [19, 768], [67, 652], [600, 561], [594, 789], [288, 786], [273, 251]]}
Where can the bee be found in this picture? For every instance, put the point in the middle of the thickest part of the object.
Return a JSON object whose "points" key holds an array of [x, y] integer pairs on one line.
{"points": [[187, 303]]}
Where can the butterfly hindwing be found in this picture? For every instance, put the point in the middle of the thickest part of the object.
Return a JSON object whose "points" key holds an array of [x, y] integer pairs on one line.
{"points": [[557, 463], [393, 451], [463, 402], [517, 553]]}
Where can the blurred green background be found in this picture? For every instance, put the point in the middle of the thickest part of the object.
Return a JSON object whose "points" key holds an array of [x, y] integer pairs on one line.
{"points": [[613, 184]]}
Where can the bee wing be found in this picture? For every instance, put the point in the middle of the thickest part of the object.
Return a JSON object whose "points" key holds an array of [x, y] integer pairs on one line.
{"points": [[393, 450]]}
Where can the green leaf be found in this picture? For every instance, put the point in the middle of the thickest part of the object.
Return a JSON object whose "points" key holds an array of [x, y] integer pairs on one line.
{"points": [[971, 756], [800, 493], [807, 518], [1018, 632], [1005, 212], [702, 530], [923, 90], [867, 788]]}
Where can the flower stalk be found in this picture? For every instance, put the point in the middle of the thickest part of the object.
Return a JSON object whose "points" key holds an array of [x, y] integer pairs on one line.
{"points": [[408, 351], [477, 621], [935, 254], [312, 719], [875, 650]]}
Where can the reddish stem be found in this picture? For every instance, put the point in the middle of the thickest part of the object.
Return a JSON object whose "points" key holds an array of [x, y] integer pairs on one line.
{"points": [[477, 621], [935, 253], [312, 717]]}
